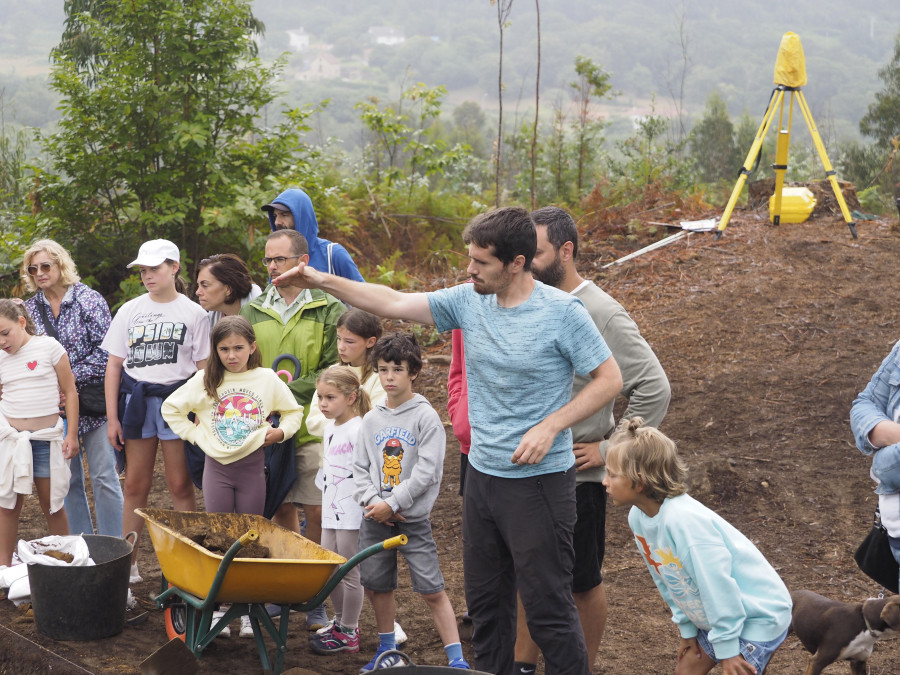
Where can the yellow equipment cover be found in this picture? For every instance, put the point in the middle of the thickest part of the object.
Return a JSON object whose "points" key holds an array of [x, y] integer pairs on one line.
{"points": [[790, 66]]}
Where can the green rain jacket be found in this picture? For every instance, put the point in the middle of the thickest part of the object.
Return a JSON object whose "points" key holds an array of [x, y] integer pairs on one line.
{"points": [[310, 335]]}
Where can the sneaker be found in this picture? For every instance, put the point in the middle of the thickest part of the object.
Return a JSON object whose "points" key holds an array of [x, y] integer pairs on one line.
{"points": [[335, 641], [389, 661], [399, 634], [225, 632], [460, 663], [130, 600], [274, 611], [327, 628], [316, 618], [246, 627], [135, 577]]}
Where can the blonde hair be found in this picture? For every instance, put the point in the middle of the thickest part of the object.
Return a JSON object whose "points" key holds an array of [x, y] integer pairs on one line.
{"points": [[345, 381], [647, 457], [67, 270]]}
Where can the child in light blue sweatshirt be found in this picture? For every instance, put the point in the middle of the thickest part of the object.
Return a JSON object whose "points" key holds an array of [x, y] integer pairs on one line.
{"points": [[729, 604]]}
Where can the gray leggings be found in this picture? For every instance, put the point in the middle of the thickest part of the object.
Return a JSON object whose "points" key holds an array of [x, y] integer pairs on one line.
{"points": [[239, 487]]}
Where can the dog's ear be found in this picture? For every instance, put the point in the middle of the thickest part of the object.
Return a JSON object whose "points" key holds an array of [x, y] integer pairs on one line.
{"points": [[891, 613]]}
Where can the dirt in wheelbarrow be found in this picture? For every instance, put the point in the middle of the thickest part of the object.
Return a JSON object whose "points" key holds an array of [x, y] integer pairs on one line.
{"points": [[767, 335]]}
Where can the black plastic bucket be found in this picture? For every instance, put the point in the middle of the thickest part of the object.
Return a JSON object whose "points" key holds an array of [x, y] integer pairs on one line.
{"points": [[83, 603]]}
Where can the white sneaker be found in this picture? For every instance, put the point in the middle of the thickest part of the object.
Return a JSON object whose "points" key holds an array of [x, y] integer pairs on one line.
{"points": [[135, 577], [326, 628], [399, 634], [225, 632], [246, 627], [130, 600]]}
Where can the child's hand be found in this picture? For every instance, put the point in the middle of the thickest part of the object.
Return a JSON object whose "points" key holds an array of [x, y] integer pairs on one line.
{"points": [[273, 436], [70, 445], [114, 433], [736, 665], [382, 513]]}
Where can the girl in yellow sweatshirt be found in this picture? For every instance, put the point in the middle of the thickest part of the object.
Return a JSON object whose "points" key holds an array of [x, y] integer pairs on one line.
{"points": [[233, 399]]}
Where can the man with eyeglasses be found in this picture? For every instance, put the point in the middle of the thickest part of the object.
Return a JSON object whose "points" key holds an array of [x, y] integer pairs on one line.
{"points": [[293, 210], [290, 319]]}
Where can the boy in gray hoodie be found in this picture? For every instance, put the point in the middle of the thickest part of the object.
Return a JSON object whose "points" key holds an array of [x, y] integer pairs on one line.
{"points": [[397, 468]]}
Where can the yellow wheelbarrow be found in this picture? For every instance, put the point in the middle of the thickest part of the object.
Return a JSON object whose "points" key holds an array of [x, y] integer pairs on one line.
{"points": [[298, 574]]}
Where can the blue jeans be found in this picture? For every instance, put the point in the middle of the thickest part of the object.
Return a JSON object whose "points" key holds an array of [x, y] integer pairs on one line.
{"points": [[757, 654], [108, 500]]}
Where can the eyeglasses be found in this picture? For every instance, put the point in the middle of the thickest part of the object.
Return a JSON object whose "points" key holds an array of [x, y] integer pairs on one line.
{"points": [[279, 260], [44, 267]]}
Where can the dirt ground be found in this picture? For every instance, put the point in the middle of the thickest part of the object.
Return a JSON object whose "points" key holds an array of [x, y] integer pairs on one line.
{"points": [[767, 335]]}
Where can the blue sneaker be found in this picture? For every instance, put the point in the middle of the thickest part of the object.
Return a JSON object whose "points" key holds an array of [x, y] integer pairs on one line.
{"points": [[460, 663], [389, 661]]}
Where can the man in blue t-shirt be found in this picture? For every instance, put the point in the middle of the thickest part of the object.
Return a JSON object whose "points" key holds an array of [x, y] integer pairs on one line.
{"points": [[524, 343]]}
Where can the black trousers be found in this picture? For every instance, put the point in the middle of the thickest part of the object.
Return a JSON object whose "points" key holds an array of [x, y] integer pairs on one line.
{"points": [[517, 534]]}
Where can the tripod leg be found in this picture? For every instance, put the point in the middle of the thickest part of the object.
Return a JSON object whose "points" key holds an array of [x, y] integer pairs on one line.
{"points": [[781, 157], [829, 170], [749, 161]]}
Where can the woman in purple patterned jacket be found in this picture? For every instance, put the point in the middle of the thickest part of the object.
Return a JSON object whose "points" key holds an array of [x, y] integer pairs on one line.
{"points": [[78, 318]]}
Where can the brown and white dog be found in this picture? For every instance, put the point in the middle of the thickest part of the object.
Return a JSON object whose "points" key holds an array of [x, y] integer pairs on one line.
{"points": [[842, 631]]}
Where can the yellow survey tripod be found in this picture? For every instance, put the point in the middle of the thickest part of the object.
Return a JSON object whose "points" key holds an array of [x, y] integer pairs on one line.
{"points": [[790, 75]]}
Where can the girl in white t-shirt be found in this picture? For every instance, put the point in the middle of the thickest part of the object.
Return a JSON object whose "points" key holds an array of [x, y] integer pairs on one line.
{"points": [[34, 369], [155, 343], [343, 401]]}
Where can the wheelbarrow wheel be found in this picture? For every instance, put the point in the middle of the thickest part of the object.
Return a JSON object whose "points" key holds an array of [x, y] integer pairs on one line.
{"points": [[176, 618]]}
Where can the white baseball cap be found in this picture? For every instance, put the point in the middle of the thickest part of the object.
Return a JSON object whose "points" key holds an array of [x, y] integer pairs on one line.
{"points": [[156, 252]]}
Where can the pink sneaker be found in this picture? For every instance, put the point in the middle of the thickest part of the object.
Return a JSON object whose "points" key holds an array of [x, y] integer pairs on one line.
{"points": [[335, 641]]}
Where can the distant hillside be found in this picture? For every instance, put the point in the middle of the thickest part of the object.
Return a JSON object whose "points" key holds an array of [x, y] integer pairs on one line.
{"points": [[363, 47]]}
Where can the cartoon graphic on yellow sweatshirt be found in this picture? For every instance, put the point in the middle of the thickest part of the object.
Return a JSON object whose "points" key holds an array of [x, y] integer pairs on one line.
{"points": [[393, 458]]}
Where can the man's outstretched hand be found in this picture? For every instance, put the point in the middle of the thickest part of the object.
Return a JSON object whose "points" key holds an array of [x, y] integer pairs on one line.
{"points": [[302, 275]]}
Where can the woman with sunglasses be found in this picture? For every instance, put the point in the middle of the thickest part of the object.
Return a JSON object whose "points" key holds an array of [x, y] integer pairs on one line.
{"points": [[224, 286], [78, 317]]}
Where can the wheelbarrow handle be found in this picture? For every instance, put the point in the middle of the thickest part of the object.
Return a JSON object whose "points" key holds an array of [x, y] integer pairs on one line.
{"points": [[341, 571], [203, 603], [394, 542], [230, 554]]}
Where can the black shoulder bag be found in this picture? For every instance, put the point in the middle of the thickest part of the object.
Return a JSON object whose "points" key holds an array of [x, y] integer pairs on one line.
{"points": [[91, 396], [875, 558]]}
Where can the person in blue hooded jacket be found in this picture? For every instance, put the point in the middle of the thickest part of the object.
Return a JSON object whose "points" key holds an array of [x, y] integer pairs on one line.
{"points": [[293, 209]]}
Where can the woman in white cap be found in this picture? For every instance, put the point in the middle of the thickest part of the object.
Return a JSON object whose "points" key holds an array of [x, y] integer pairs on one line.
{"points": [[155, 343]]}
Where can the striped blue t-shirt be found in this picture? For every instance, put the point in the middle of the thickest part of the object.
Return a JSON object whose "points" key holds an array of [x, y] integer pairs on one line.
{"points": [[520, 364]]}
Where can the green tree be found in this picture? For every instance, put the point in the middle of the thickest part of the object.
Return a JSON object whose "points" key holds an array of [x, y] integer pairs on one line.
{"points": [[712, 142], [592, 83], [882, 121], [160, 134]]}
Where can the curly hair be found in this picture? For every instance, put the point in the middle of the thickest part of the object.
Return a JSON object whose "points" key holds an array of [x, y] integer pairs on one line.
{"points": [[397, 348]]}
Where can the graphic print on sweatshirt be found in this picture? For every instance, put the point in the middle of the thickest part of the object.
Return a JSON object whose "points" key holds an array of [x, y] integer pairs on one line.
{"points": [[237, 415], [340, 469], [392, 454], [152, 342], [680, 584]]}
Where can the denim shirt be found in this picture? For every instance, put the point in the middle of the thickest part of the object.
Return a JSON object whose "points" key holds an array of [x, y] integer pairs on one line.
{"points": [[880, 401]]}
